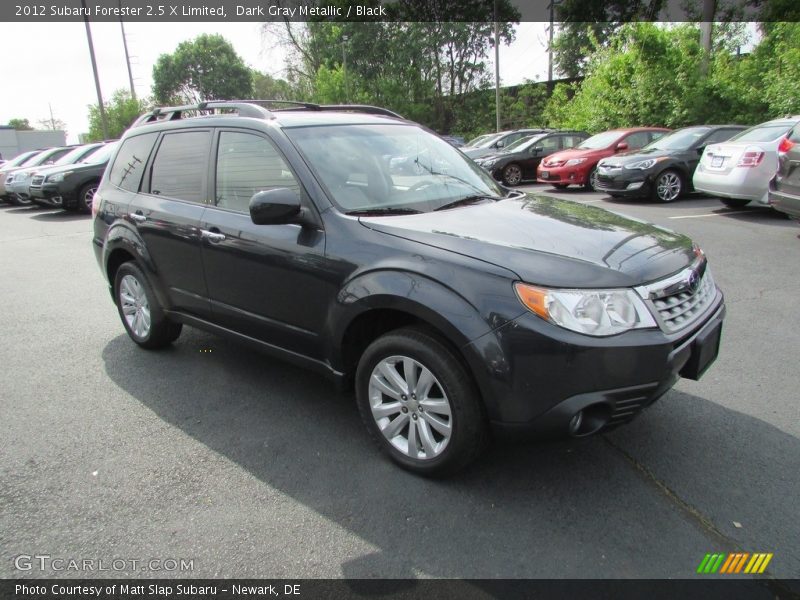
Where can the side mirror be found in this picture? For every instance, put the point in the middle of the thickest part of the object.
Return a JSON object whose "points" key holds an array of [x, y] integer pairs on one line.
{"points": [[500, 144], [622, 146], [537, 149], [279, 206]]}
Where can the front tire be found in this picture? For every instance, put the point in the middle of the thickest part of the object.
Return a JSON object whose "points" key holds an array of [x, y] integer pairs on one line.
{"points": [[419, 403], [86, 197], [668, 186], [591, 180], [512, 174], [141, 314]]}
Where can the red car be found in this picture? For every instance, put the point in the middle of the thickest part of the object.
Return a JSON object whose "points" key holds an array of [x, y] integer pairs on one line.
{"points": [[578, 166]]}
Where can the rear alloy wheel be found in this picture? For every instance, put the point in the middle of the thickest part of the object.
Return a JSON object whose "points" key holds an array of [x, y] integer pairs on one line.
{"points": [[140, 311], [591, 180], [419, 403], [734, 202], [669, 186], [86, 197], [512, 174]]}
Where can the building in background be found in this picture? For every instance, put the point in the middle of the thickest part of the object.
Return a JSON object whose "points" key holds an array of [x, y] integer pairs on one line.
{"points": [[13, 142]]}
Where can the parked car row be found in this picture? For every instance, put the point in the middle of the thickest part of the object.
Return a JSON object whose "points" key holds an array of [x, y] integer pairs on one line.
{"points": [[732, 162], [65, 177]]}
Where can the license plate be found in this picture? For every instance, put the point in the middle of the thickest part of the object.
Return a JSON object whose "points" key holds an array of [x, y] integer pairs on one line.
{"points": [[544, 174], [705, 349], [717, 161]]}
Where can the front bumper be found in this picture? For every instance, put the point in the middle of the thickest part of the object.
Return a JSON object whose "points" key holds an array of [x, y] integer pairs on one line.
{"points": [[577, 175], [49, 194], [535, 376], [635, 184]]}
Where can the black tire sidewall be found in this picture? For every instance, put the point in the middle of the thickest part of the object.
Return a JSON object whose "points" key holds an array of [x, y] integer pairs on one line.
{"points": [[467, 437], [505, 174], [162, 331], [81, 204]]}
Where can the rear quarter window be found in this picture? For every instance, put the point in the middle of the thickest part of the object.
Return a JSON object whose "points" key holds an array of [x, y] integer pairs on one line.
{"points": [[180, 166], [126, 172]]}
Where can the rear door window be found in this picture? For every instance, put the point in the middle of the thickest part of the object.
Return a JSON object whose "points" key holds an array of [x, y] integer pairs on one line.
{"points": [[180, 166], [637, 140], [126, 173]]}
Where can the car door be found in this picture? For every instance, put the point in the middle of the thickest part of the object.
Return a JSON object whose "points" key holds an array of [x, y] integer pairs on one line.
{"points": [[269, 282], [166, 214], [537, 152]]}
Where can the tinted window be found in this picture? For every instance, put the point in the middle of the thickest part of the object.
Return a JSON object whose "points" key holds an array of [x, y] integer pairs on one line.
{"points": [[48, 157], [247, 164], [657, 135], [637, 140], [131, 159], [549, 144], [76, 154], [794, 134], [683, 139], [179, 169], [570, 141], [721, 135]]}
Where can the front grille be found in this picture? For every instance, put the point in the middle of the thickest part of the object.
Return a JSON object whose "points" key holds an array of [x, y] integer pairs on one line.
{"points": [[682, 308], [609, 184], [37, 181]]}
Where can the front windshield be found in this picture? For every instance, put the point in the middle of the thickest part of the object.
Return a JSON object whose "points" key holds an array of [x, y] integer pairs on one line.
{"points": [[480, 139], [101, 155], [31, 161], [683, 139], [490, 139], [390, 167], [18, 160], [601, 140], [73, 155], [522, 143], [763, 133]]}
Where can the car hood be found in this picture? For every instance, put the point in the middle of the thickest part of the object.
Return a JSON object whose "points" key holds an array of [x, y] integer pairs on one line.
{"points": [[549, 242], [626, 158]]}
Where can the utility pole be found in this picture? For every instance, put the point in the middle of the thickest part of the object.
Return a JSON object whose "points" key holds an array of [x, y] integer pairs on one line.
{"points": [[94, 70], [706, 25], [52, 118], [552, 7], [496, 68], [127, 56], [344, 67]]}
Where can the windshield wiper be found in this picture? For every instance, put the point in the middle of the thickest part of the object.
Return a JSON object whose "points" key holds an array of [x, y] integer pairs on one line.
{"points": [[468, 200], [382, 211]]}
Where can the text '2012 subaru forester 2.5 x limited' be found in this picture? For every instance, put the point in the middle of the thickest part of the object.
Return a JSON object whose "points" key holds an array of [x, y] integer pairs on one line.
{"points": [[452, 304]]}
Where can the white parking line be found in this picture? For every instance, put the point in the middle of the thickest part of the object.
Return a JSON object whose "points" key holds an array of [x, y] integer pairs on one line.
{"points": [[722, 214]]}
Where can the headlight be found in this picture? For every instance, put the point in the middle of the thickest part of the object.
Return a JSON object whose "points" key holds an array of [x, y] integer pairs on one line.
{"points": [[487, 163], [574, 161], [642, 165], [591, 312], [55, 178]]}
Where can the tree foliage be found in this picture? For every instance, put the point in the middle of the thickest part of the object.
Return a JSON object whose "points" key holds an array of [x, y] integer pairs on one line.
{"points": [[20, 124], [651, 75], [206, 68], [121, 112]]}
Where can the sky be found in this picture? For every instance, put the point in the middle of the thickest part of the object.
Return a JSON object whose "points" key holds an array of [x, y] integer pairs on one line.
{"points": [[47, 66]]}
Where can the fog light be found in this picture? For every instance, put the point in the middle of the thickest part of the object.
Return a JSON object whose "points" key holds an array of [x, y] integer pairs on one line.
{"points": [[635, 185]]}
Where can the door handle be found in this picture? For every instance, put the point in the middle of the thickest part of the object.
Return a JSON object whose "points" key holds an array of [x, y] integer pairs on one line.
{"points": [[138, 216], [214, 237]]}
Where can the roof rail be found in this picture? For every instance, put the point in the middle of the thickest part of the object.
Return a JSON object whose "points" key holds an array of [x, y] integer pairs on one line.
{"points": [[251, 108], [173, 113]]}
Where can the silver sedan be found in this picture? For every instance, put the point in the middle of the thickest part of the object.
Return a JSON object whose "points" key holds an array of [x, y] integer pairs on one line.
{"points": [[738, 171]]}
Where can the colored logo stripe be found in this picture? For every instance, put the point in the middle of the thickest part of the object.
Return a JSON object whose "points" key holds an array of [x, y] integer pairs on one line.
{"points": [[734, 562]]}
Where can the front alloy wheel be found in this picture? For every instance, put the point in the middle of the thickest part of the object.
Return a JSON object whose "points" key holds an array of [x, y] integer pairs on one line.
{"points": [[512, 174], [668, 186], [419, 402], [410, 407], [86, 197]]}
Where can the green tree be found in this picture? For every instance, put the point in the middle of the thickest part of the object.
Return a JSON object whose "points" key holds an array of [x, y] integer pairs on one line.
{"points": [[267, 87], [20, 124], [121, 112], [206, 68]]}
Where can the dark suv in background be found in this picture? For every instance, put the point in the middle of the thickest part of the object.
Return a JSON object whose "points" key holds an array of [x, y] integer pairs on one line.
{"points": [[450, 302], [784, 189]]}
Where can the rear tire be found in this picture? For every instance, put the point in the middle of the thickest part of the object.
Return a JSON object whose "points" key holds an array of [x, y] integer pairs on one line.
{"points": [[419, 403], [141, 314], [734, 202]]}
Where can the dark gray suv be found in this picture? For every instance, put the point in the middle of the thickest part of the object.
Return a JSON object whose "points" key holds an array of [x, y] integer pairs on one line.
{"points": [[453, 305]]}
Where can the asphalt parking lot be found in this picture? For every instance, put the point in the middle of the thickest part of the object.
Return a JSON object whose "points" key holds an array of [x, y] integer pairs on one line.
{"points": [[253, 468]]}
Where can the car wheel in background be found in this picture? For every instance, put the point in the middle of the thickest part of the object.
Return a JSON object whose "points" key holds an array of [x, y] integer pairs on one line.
{"points": [[512, 174], [668, 186], [591, 180], [734, 202], [86, 196], [561, 186], [17, 201], [140, 311], [419, 403]]}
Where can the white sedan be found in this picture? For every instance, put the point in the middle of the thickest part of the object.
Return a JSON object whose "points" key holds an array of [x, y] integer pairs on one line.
{"points": [[738, 171]]}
